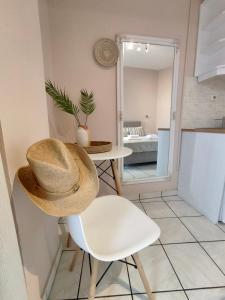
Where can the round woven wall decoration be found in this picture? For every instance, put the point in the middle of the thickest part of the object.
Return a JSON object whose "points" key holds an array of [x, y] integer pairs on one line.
{"points": [[106, 52]]}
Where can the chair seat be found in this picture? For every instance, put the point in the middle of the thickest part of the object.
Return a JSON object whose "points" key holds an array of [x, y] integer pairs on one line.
{"points": [[115, 228]]}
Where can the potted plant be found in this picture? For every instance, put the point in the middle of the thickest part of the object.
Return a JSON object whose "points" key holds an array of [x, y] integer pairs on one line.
{"points": [[63, 102]]}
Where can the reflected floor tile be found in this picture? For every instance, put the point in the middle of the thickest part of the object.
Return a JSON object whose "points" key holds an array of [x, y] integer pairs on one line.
{"points": [[155, 199], [136, 172], [173, 231], [164, 296], [127, 176], [158, 210], [115, 282], [193, 266], [182, 209], [203, 229], [172, 198], [158, 271], [150, 195], [207, 294], [217, 251], [65, 285]]}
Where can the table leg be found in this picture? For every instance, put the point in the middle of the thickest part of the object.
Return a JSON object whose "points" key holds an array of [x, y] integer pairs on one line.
{"points": [[116, 177]]}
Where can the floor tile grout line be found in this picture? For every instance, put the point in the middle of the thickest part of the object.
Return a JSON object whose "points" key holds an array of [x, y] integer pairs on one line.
{"points": [[155, 201], [200, 215], [164, 244], [143, 208], [212, 259], [206, 288], [173, 269], [159, 217], [198, 242], [129, 280], [161, 196], [175, 217], [81, 272], [192, 242], [155, 292]]}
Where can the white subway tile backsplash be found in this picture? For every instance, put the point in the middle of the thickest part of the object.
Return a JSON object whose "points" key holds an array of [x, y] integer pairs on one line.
{"points": [[198, 108]]}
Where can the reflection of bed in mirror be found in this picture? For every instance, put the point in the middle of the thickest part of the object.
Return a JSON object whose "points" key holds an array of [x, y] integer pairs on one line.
{"points": [[144, 146]]}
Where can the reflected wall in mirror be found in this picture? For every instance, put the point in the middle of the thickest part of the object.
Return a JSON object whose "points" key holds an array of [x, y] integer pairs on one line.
{"points": [[147, 81]]}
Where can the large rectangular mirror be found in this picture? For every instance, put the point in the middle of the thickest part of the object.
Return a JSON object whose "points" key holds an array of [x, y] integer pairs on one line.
{"points": [[147, 77]]}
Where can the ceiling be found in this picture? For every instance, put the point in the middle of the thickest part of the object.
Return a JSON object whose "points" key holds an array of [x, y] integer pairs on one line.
{"points": [[146, 56]]}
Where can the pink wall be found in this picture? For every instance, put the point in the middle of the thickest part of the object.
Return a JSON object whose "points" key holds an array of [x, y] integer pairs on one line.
{"points": [[140, 97], [148, 92], [72, 41], [74, 28], [23, 115], [164, 94]]}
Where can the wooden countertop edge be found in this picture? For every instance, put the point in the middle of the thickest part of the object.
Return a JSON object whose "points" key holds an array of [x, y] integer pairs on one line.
{"points": [[164, 129], [205, 130]]}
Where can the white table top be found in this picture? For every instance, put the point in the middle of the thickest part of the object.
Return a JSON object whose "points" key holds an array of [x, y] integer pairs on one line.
{"points": [[115, 153]]}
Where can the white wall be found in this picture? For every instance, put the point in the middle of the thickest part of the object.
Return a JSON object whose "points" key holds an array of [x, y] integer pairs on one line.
{"points": [[23, 114], [140, 97], [164, 98]]}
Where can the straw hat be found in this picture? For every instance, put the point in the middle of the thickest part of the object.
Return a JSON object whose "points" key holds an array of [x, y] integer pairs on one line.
{"points": [[60, 180]]}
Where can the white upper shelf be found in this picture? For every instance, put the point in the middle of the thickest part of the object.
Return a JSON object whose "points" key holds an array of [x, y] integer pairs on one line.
{"points": [[210, 59], [215, 23]]}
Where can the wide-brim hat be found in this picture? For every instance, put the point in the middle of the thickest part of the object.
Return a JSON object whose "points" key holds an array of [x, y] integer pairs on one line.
{"points": [[65, 203]]}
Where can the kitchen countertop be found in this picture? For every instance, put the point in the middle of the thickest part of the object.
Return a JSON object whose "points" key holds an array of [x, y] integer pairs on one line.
{"points": [[206, 130]]}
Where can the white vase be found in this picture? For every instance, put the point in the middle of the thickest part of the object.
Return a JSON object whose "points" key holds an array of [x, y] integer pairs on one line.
{"points": [[83, 136]]}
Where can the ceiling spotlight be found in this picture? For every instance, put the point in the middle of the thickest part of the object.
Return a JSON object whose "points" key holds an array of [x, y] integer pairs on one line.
{"points": [[139, 48], [147, 48], [130, 46]]}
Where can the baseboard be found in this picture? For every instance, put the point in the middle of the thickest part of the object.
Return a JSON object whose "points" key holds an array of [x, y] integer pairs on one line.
{"points": [[52, 274]]}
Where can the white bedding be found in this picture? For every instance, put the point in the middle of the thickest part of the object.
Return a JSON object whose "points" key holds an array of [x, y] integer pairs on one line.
{"points": [[139, 139], [142, 143]]}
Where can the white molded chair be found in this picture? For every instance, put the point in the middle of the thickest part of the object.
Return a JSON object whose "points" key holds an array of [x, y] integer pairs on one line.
{"points": [[110, 229]]}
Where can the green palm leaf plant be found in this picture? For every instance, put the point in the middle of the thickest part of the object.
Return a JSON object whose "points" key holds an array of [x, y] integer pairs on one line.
{"points": [[64, 103], [87, 104]]}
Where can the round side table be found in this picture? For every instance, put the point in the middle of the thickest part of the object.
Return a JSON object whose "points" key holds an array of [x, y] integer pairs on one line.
{"points": [[111, 156]]}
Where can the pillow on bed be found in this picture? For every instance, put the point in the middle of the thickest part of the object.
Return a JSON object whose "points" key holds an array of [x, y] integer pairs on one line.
{"points": [[133, 131]]}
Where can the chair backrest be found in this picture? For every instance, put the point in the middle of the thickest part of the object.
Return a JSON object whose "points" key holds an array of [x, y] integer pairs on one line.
{"points": [[77, 231]]}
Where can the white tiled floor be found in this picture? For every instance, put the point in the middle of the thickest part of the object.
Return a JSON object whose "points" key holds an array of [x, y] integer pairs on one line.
{"points": [[188, 262], [139, 171], [207, 294]]}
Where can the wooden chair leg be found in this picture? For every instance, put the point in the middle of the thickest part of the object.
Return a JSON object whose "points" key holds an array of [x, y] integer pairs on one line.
{"points": [[143, 276], [73, 262], [68, 241], [94, 274], [116, 177]]}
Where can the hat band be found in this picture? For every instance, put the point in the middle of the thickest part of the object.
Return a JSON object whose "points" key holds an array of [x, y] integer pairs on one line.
{"points": [[57, 195], [74, 188]]}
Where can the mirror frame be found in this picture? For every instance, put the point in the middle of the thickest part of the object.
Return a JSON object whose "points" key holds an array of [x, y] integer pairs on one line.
{"points": [[120, 101]]}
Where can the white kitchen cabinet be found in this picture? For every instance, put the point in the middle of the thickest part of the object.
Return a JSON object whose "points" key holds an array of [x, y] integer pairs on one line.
{"points": [[202, 172], [210, 59]]}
